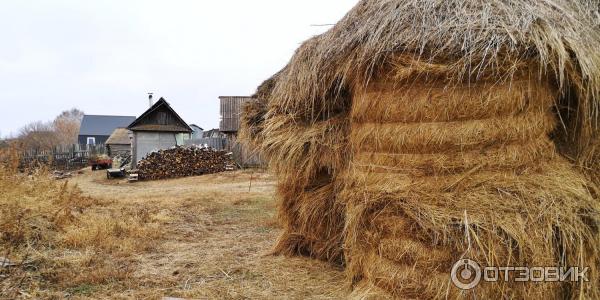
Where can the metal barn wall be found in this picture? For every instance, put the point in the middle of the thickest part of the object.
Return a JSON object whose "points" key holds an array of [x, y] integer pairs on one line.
{"points": [[231, 109]]}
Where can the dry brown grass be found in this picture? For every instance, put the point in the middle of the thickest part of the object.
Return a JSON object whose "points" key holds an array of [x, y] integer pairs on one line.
{"points": [[200, 237], [62, 240]]}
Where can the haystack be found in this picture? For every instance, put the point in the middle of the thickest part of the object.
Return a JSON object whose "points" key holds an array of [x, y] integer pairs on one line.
{"points": [[414, 134], [306, 161]]}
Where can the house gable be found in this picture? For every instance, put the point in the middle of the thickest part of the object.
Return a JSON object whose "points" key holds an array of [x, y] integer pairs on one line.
{"points": [[160, 117]]}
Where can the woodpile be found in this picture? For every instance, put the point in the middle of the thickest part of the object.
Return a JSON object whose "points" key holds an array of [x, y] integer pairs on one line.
{"points": [[184, 161]]}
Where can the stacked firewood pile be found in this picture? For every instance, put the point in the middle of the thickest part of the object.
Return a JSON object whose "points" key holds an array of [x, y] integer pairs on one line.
{"points": [[183, 162]]}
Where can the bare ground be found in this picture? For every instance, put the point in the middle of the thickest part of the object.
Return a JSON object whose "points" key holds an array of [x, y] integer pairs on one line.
{"points": [[216, 232]]}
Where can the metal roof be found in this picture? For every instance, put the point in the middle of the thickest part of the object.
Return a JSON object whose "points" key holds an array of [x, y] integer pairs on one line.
{"points": [[103, 125]]}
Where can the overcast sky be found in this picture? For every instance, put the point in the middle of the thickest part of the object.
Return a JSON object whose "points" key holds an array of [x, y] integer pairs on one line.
{"points": [[104, 56]]}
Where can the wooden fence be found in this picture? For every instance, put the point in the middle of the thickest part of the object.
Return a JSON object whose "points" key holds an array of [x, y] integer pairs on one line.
{"points": [[62, 157], [245, 157], [77, 156]]}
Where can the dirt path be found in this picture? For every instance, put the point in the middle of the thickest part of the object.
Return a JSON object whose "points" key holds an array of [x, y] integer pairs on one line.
{"points": [[217, 232]]}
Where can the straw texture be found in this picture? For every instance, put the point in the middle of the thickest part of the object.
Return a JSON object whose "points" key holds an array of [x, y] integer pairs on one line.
{"points": [[416, 133]]}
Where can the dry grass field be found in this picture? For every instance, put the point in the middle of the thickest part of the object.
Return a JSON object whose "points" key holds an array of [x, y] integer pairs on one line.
{"points": [[204, 237]]}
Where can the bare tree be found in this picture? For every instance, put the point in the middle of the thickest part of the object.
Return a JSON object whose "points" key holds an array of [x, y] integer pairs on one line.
{"points": [[46, 135], [37, 135], [66, 126], [72, 114]]}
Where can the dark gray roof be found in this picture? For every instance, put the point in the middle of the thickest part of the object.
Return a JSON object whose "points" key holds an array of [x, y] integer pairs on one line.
{"points": [[103, 125]]}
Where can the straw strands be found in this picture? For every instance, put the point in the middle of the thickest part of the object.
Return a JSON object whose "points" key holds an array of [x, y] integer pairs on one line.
{"points": [[416, 133], [413, 196]]}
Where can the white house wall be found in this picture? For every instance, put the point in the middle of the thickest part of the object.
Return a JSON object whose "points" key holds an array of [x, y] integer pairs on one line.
{"points": [[146, 142]]}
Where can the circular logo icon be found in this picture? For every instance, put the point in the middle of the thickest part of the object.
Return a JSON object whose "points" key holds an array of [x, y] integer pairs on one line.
{"points": [[466, 274]]}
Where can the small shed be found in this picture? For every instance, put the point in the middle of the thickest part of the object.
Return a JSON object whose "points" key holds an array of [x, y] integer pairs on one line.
{"points": [[119, 142], [231, 111], [160, 127]]}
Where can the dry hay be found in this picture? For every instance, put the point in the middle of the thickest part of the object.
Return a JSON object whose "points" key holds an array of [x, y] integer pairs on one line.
{"points": [[422, 193], [422, 132], [309, 211], [313, 220]]}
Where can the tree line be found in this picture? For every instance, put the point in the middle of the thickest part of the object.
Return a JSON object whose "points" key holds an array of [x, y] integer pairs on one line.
{"points": [[63, 130]]}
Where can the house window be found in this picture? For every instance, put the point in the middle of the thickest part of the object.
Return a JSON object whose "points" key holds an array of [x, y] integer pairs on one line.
{"points": [[91, 141]]}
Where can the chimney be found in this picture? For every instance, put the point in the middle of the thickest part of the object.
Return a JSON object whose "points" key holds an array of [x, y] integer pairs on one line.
{"points": [[150, 99]]}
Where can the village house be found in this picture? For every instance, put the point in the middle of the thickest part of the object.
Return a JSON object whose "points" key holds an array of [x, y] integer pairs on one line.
{"points": [[160, 127], [96, 129]]}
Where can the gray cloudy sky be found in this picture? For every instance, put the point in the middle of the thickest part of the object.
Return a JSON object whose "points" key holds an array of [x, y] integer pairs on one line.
{"points": [[103, 56]]}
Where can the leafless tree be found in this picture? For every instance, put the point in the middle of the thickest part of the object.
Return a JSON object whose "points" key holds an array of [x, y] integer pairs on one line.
{"points": [[37, 135], [66, 126], [45, 135]]}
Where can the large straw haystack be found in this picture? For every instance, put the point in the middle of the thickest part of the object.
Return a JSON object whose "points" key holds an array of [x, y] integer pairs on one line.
{"points": [[416, 133]]}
